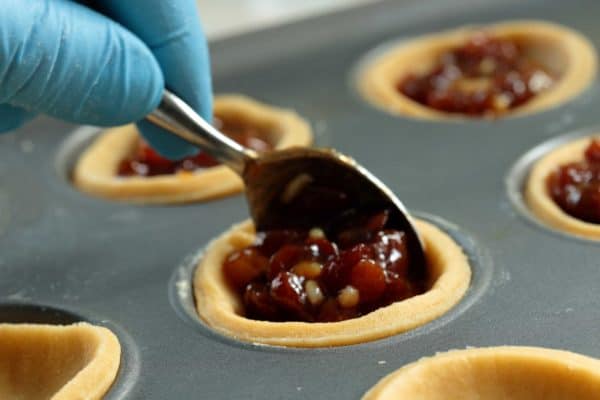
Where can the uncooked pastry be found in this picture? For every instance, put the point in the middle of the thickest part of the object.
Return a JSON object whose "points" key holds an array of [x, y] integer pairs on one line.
{"points": [[494, 373], [56, 362], [566, 53], [541, 203], [221, 308], [96, 170]]}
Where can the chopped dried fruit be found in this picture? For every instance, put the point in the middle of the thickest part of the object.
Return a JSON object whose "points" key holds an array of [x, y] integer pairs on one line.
{"points": [[487, 75], [314, 292], [575, 187], [368, 278], [306, 277], [147, 162], [349, 297], [244, 266]]}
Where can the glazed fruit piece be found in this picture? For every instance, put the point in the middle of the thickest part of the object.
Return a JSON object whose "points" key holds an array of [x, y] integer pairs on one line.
{"points": [[293, 275], [147, 162], [575, 187], [487, 75]]}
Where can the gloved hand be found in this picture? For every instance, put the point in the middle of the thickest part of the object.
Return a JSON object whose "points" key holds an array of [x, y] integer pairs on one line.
{"points": [[102, 63]]}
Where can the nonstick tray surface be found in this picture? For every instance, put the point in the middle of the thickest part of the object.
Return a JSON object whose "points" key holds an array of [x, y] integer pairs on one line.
{"points": [[65, 256]]}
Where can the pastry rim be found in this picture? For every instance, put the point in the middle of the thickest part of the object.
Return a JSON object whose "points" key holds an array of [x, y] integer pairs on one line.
{"points": [[95, 170], [216, 304], [384, 388], [542, 205], [97, 376], [376, 83]]}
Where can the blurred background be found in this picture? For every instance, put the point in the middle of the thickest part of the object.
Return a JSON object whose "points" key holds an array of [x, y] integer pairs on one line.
{"points": [[222, 18]]}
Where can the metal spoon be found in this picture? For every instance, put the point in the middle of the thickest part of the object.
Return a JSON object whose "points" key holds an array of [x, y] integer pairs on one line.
{"points": [[292, 188]]}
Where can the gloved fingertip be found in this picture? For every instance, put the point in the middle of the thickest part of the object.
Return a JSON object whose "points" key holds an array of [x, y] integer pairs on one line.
{"points": [[77, 65], [137, 81], [145, 90], [205, 109], [165, 143]]}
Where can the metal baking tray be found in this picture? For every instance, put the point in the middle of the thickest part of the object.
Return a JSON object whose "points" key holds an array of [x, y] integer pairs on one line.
{"points": [[65, 256]]}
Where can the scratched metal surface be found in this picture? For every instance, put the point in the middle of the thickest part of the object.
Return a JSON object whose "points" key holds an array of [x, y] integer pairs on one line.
{"points": [[128, 266]]}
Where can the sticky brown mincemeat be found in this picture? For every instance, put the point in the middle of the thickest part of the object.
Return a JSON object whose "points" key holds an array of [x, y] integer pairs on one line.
{"points": [[575, 187], [486, 76], [293, 275], [147, 162]]}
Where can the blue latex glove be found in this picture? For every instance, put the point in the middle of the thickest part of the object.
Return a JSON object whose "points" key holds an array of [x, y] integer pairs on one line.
{"points": [[105, 63]]}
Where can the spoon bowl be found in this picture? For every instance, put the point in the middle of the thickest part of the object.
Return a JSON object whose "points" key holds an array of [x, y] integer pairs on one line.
{"points": [[295, 188]]}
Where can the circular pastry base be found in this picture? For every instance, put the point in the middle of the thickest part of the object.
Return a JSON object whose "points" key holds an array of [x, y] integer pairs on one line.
{"points": [[540, 202], [220, 307], [495, 373], [96, 170], [563, 51], [61, 362]]}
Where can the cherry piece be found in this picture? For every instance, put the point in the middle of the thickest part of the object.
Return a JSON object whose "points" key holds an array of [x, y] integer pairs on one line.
{"points": [[369, 279], [287, 292], [243, 266], [286, 257], [258, 302]]}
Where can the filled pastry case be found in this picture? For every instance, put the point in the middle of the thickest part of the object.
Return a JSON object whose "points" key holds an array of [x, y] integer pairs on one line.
{"points": [[120, 288]]}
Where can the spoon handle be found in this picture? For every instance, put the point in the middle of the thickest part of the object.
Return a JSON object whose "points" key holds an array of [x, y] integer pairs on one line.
{"points": [[175, 116]]}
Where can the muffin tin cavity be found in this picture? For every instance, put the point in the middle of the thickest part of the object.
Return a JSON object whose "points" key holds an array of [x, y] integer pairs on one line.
{"points": [[561, 63], [527, 188], [36, 314], [109, 264], [57, 360], [120, 166], [495, 373], [66, 354], [454, 287]]}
